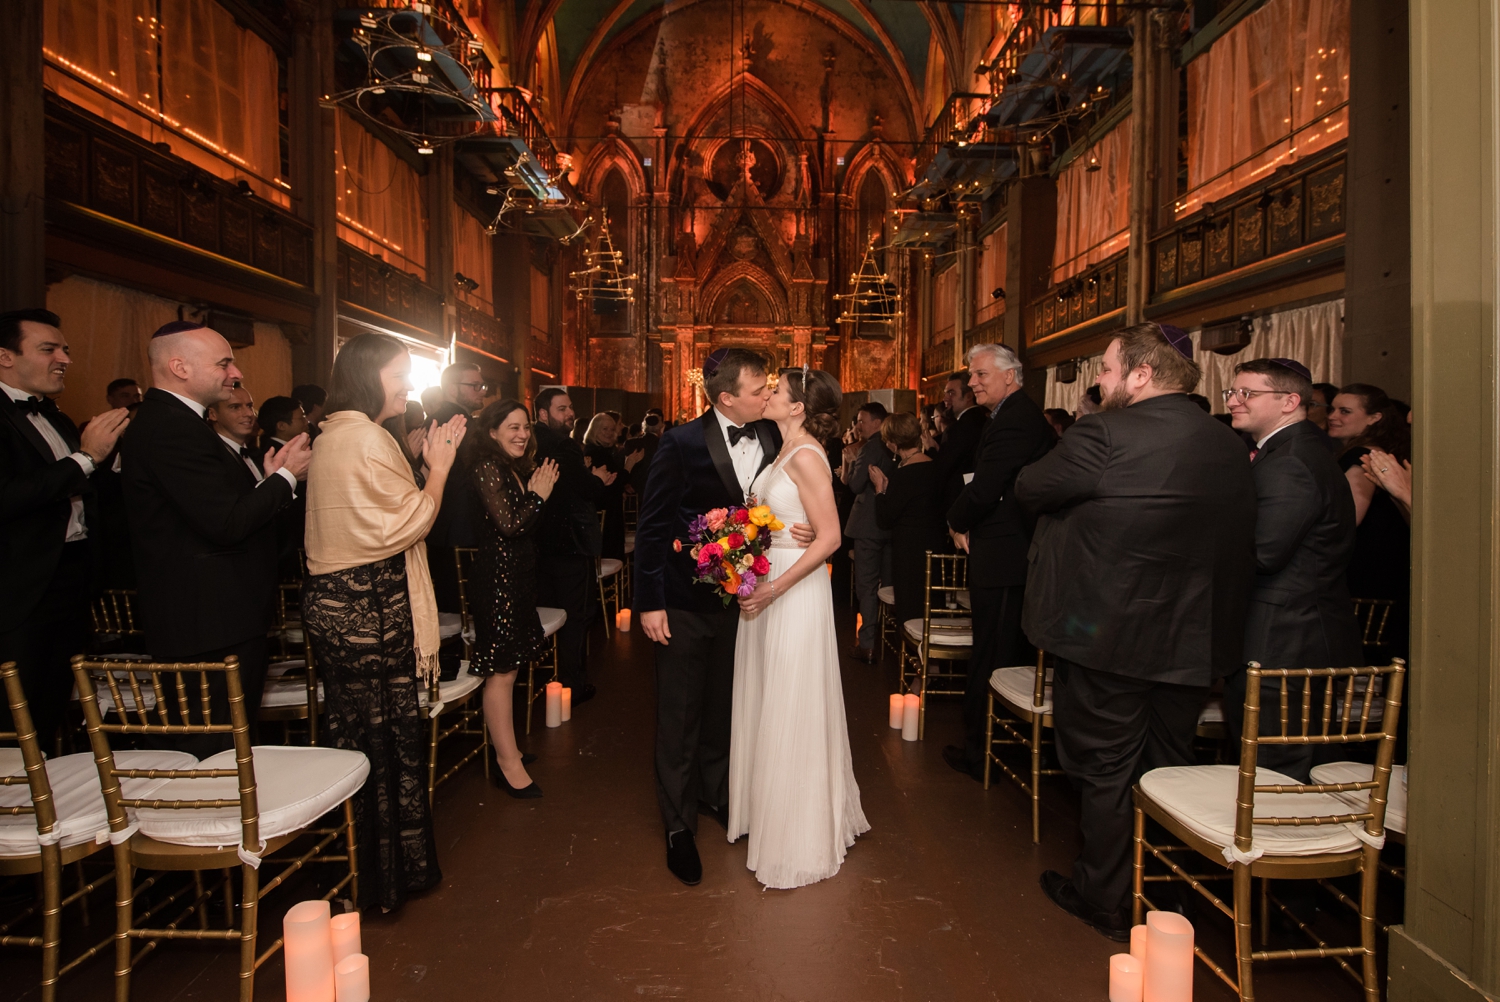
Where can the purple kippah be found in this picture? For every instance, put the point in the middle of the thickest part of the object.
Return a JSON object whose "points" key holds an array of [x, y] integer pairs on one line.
{"points": [[1294, 365], [177, 327], [1179, 339], [714, 360]]}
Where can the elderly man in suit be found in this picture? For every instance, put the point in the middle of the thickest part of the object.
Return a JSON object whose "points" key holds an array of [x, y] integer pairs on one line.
{"points": [[872, 544], [202, 525], [49, 523], [1300, 614], [988, 523], [1140, 574]]}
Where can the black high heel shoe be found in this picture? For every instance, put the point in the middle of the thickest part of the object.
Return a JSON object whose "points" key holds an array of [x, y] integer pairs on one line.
{"points": [[528, 792]]}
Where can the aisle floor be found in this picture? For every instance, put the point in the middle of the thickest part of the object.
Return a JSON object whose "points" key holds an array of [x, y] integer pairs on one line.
{"points": [[568, 898]]}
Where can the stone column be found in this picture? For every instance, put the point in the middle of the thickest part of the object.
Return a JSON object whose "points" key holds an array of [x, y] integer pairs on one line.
{"points": [[23, 282], [438, 187], [314, 183], [1031, 233], [1449, 945]]}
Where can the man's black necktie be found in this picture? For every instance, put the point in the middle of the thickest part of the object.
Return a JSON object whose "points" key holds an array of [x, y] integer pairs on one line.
{"points": [[37, 405], [735, 434]]}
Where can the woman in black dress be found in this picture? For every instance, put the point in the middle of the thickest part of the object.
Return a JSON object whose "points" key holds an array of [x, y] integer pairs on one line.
{"points": [[1362, 418], [511, 490], [601, 448], [908, 505]]}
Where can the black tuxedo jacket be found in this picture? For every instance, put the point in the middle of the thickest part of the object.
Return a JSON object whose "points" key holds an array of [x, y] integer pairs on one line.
{"points": [[203, 532], [1145, 548], [691, 473], [645, 444], [959, 451], [999, 528], [1300, 612], [573, 506], [36, 493]]}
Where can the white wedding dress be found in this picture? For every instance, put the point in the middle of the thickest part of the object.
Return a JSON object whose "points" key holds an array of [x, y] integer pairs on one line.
{"points": [[791, 776]]}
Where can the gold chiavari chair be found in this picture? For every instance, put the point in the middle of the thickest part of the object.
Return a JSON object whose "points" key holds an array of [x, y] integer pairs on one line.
{"points": [[52, 814], [1025, 692], [239, 806], [552, 621], [944, 634], [1257, 823], [1373, 616], [609, 571], [294, 692], [463, 561], [886, 635]]}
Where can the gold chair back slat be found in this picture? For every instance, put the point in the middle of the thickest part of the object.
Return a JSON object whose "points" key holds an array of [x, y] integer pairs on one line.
{"points": [[24, 735]]}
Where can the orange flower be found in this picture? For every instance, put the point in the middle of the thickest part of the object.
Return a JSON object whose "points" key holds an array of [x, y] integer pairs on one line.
{"points": [[732, 580]]}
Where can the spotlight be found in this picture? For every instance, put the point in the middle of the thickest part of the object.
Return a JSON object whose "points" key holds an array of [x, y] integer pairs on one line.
{"points": [[423, 56], [425, 150], [999, 293]]}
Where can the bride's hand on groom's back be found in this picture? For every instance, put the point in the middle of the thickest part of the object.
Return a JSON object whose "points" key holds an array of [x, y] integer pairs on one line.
{"points": [[804, 534]]}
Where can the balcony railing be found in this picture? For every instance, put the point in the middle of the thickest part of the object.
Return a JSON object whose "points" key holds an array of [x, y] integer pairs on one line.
{"points": [[369, 282], [1090, 294], [515, 104]]}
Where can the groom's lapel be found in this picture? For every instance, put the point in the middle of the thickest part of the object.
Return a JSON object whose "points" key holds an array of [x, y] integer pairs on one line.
{"points": [[714, 440], [770, 443]]}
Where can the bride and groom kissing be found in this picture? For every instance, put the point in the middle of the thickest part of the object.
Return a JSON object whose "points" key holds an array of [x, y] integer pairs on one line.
{"points": [[750, 724]]}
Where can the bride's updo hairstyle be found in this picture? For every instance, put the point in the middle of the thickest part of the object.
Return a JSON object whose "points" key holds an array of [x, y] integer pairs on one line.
{"points": [[819, 394]]}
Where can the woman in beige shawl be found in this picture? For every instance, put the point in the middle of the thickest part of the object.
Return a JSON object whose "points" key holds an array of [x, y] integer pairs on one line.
{"points": [[369, 608]]}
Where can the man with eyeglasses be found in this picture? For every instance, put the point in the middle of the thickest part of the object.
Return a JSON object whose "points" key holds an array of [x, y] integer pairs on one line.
{"points": [[463, 392], [1300, 614]]}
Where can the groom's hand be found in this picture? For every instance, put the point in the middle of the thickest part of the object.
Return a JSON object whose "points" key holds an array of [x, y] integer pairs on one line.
{"points": [[804, 534], [654, 624]]}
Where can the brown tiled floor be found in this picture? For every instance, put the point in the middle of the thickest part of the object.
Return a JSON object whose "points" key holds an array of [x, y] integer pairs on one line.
{"points": [[568, 898]]}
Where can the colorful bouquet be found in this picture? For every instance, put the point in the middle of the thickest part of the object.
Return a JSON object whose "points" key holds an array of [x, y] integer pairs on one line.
{"points": [[729, 545]]}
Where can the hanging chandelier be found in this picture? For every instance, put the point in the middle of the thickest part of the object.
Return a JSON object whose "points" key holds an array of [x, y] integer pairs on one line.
{"points": [[872, 298], [600, 279]]}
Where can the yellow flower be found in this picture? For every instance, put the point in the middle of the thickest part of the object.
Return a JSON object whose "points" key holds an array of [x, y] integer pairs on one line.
{"points": [[750, 532], [761, 515], [775, 525]]}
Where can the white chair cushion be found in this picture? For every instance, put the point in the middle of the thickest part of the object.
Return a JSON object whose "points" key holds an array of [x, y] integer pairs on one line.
{"points": [[552, 619], [450, 624], [280, 668], [294, 787], [453, 691], [964, 602], [1212, 712], [629, 542], [1018, 686], [609, 567], [887, 595], [1202, 798], [284, 692], [81, 814], [947, 632], [1360, 772]]}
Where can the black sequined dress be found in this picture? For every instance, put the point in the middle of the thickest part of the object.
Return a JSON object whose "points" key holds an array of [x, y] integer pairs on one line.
{"points": [[508, 632]]}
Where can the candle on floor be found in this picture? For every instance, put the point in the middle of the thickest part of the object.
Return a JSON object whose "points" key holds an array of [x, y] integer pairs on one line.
{"points": [[554, 704], [308, 949], [567, 703], [622, 620], [352, 979], [911, 704], [1138, 942], [1124, 978], [898, 710], [345, 933], [1169, 958]]}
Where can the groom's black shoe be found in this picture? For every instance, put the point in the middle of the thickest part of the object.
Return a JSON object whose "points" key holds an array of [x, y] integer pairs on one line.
{"points": [[1114, 926], [959, 762], [682, 857]]}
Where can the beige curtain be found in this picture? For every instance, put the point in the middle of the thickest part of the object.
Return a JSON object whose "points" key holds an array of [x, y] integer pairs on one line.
{"points": [[944, 304], [1313, 335], [380, 206], [1093, 207], [1067, 395], [992, 264], [215, 101], [474, 257], [1274, 89], [541, 304], [267, 364]]}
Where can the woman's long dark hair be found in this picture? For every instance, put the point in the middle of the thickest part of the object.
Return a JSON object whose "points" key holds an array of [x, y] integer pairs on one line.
{"points": [[1389, 434], [479, 444], [355, 385]]}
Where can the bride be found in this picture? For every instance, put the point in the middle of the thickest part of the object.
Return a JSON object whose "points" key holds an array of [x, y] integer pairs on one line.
{"points": [[791, 779]]}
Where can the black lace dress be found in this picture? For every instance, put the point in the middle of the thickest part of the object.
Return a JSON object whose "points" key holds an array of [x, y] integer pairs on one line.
{"points": [[507, 631]]}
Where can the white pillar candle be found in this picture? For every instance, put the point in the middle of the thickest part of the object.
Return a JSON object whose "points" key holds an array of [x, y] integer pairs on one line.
{"points": [[1138, 942], [622, 620], [352, 977], [345, 933], [1124, 978], [898, 710], [567, 703], [1169, 958], [910, 706], [554, 704], [308, 949]]}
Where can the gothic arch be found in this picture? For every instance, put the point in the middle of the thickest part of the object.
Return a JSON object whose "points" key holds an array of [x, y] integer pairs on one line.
{"points": [[612, 152], [728, 280]]}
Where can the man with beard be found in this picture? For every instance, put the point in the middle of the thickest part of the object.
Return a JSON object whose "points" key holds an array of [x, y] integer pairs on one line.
{"points": [[1140, 576]]}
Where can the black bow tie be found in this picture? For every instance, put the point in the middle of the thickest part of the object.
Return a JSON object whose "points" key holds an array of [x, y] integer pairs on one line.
{"points": [[735, 434], [37, 405], [246, 454]]}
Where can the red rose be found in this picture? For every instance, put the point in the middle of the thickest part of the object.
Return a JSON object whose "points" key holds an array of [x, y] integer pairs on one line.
{"points": [[741, 516], [761, 567], [735, 540]]}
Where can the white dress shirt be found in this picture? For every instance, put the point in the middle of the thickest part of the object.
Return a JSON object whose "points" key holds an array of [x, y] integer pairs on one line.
{"points": [[746, 454], [234, 447], [59, 446]]}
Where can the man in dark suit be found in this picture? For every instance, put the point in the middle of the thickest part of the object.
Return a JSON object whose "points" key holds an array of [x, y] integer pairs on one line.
{"points": [[640, 449], [234, 421], [967, 419], [203, 528], [1140, 574], [1300, 612], [569, 537], [995, 530], [701, 465], [463, 392], [49, 522], [871, 543], [282, 419]]}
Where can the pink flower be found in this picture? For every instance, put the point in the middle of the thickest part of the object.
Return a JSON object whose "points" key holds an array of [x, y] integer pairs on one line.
{"points": [[711, 551], [762, 566], [716, 518]]}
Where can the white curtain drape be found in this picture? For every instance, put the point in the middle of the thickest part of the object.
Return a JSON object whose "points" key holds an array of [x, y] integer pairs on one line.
{"points": [[474, 257], [215, 102], [1274, 89], [1093, 207], [109, 326], [380, 205], [992, 264], [1313, 335]]}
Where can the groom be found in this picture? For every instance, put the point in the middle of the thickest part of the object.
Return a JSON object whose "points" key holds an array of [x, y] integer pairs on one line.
{"points": [[701, 465]]}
